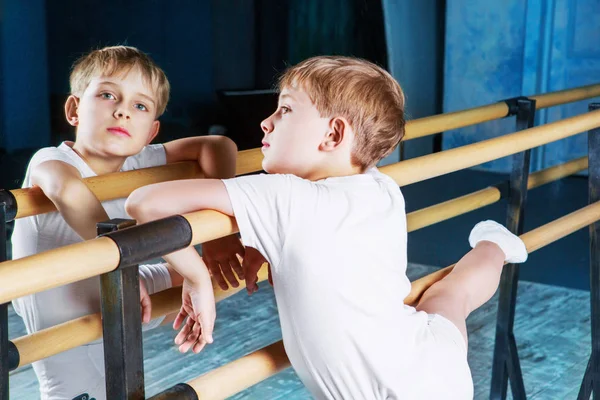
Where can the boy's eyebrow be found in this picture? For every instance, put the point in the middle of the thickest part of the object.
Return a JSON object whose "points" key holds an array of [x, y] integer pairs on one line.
{"points": [[283, 96], [148, 98]]}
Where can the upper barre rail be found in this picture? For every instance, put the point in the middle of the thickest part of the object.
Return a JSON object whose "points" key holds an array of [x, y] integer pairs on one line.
{"points": [[432, 165], [28, 275], [112, 186], [32, 201]]}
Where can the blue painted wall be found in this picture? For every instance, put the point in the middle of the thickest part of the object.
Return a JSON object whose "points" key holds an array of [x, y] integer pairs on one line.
{"points": [[497, 50], [414, 37], [25, 116]]}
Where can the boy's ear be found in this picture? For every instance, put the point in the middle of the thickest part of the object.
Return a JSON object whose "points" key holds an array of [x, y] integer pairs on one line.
{"points": [[338, 130], [71, 106], [153, 131]]}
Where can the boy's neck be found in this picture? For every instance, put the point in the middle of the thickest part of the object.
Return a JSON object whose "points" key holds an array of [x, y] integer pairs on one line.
{"points": [[334, 171], [99, 164]]}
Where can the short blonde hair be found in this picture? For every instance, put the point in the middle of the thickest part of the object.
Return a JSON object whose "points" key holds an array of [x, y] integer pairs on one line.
{"points": [[360, 91], [118, 59]]}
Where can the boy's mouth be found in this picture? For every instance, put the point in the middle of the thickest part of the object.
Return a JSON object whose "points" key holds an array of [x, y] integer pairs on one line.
{"points": [[117, 130], [265, 145]]}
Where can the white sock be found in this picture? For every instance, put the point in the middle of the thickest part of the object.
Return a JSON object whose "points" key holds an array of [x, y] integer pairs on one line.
{"points": [[513, 247]]}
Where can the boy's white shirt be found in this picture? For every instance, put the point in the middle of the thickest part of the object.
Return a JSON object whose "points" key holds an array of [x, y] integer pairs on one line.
{"points": [[43, 232], [338, 255]]}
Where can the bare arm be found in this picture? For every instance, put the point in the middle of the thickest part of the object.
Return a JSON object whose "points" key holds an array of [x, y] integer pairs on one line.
{"points": [[180, 197], [77, 204], [216, 155], [153, 202]]}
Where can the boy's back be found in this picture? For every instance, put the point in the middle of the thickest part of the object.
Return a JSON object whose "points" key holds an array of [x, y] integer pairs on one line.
{"points": [[338, 260]]}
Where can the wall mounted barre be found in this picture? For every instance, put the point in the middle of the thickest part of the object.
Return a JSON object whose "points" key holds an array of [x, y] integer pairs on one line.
{"points": [[112, 186], [103, 254], [50, 341]]}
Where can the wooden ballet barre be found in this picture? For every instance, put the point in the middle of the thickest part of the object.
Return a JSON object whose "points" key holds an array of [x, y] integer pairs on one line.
{"points": [[432, 165], [459, 119], [426, 126], [266, 362], [565, 96], [461, 205], [29, 275], [32, 201], [68, 335], [88, 328], [118, 185], [101, 255]]}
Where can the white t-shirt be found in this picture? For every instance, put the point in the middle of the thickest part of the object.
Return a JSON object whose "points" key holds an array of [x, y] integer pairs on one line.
{"points": [[337, 250], [43, 232]]}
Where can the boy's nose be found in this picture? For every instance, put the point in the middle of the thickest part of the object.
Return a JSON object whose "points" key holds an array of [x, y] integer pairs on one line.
{"points": [[120, 113], [267, 125]]}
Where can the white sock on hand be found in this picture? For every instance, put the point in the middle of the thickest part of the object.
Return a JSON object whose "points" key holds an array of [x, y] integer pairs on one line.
{"points": [[513, 247]]}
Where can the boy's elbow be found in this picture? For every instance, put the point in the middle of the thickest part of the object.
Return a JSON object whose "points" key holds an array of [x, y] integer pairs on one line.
{"points": [[227, 145], [62, 191], [138, 208]]}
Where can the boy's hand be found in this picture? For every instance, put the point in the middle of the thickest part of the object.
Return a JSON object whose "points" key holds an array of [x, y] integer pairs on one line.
{"points": [[198, 306], [252, 263], [220, 256], [145, 302]]}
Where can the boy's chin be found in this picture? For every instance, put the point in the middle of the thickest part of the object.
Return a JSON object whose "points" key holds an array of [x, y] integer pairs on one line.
{"points": [[271, 168]]}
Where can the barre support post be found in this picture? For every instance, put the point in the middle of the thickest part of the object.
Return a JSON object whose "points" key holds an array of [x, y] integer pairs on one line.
{"points": [[8, 210], [122, 326], [506, 363], [591, 378]]}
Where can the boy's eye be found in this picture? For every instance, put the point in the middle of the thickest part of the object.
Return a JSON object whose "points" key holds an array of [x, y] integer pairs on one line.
{"points": [[107, 96], [141, 107], [285, 109]]}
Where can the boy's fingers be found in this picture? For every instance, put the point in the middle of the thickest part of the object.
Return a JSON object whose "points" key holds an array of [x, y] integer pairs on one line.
{"points": [[228, 272], [206, 326], [186, 333], [180, 318], [251, 279], [146, 309], [192, 336], [199, 346], [240, 249], [237, 267], [215, 271]]}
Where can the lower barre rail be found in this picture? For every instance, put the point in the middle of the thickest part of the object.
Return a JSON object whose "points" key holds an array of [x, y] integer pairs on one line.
{"points": [[68, 335]]}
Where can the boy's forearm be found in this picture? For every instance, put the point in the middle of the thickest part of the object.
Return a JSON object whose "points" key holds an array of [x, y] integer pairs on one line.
{"points": [[80, 208], [218, 159], [176, 278], [187, 264], [216, 155]]}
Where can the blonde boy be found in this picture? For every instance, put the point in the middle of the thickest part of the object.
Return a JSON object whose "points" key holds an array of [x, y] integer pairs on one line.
{"points": [[117, 95], [333, 230]]}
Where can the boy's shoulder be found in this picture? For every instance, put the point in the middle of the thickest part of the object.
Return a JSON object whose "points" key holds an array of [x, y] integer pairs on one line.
{"points": [[152, 155], [59, 153]]}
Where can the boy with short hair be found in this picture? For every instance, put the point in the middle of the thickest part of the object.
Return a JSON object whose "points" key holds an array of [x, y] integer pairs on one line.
{"points": [[333, 230], [117, 95]]}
